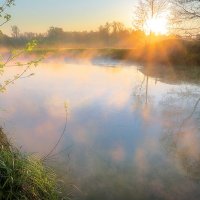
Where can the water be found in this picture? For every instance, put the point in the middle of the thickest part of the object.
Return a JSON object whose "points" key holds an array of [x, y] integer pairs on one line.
{"points": [[129, 136]]}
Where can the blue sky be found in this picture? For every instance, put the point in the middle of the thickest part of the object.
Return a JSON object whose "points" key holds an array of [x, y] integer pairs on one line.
{"points": [[38, 15]]}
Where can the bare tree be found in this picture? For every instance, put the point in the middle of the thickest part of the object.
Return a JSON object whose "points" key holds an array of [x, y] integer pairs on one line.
{"points": [[117, 27], [187, 9], [186, 16], [15, 31], [147, 10]]}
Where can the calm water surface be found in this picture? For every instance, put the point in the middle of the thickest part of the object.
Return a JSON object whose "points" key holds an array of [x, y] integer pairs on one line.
{"points": [[128, 136]]}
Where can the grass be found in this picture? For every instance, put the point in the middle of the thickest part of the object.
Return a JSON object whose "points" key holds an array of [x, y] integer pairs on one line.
{"points": [[23, 176]]}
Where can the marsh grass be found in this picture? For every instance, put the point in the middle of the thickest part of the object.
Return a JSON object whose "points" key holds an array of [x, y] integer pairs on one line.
{"points": [[23, 176]]}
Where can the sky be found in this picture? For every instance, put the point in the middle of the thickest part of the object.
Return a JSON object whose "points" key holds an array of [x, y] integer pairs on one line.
{"points": [[71, 15]]}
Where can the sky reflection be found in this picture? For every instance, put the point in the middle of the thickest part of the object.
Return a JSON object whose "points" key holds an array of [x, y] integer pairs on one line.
{"points": [[116, 140]]}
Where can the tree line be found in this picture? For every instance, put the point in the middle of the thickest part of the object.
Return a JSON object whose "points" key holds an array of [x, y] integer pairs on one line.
{"points": [[111, 34], [184, 20]]}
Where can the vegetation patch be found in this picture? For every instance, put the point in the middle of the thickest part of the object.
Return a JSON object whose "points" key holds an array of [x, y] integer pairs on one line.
{"points": [[23, 176]]}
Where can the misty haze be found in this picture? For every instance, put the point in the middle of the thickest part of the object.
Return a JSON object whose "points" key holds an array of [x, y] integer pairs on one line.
{"points": [[100, 100]]}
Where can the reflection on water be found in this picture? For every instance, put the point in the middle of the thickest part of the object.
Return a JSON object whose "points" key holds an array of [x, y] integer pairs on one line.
{"points": [[128, 136]]}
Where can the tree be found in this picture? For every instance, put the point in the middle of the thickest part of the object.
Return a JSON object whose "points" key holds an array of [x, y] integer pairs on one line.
{"points": [[117, 27], [29, 35], [104, 32], [186, 16], [15, 31], [148, 10], [187, 9], [55, 34]]}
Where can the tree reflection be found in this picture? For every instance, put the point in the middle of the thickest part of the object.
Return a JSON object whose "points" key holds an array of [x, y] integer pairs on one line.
{"points": [[141, 92], [181, 129], [180, 115]]}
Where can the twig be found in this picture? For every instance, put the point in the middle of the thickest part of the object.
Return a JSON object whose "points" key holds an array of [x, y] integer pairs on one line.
{"points": [[57, 143], [188, 118]]}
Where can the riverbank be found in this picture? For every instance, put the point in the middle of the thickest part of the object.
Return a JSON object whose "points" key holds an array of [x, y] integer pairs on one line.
{"points": [[172, 51], [24, 176], [168, 52]]}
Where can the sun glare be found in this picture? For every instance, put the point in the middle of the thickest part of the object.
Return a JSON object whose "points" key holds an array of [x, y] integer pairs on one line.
{"points": [[156, 26]]}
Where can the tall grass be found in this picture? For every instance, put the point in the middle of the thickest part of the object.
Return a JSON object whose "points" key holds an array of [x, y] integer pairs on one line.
{"points": [[23, 176]]}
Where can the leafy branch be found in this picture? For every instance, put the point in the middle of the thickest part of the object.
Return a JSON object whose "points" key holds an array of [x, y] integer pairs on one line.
{"points": [[11, 58], [5, 17]]}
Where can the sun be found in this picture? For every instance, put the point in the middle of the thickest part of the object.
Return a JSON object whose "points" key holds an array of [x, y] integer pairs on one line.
{"points": [[156, 26]]}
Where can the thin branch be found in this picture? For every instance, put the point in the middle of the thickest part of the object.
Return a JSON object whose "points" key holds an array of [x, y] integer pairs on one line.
{"points": [[14, 79], [190, 116], [59, 140]]}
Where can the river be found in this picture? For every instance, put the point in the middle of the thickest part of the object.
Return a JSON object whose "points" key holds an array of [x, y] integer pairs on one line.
{"points": [[129, 135]]}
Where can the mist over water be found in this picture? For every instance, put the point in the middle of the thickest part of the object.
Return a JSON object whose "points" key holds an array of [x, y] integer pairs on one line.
{"points": [[129, 135]]}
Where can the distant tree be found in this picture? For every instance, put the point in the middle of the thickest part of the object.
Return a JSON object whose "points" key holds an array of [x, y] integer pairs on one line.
{"points": [[55, 34], [54, 31], [117, 27], [104, 32], [29, 35], [15, 31], [111, 34]]}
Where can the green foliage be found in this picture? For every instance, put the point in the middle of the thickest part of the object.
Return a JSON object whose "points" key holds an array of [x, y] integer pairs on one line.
{"points": [[5, 17], [21, 176], [31, 45], [4, 143], [13, 60], [24, 177]]}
